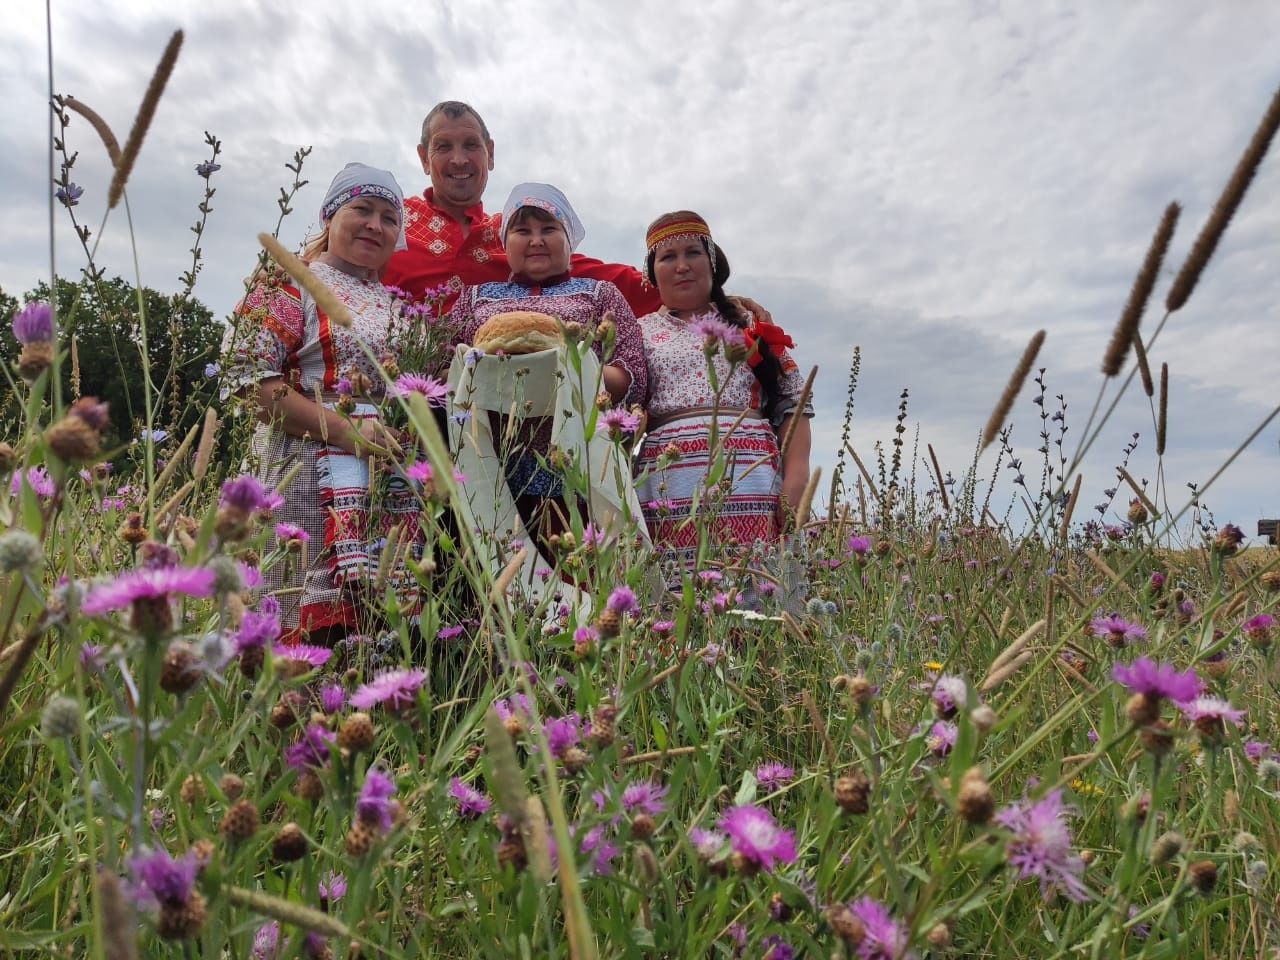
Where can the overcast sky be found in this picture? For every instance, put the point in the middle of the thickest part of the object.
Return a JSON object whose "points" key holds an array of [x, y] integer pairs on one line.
{"points": [[930, 181]]}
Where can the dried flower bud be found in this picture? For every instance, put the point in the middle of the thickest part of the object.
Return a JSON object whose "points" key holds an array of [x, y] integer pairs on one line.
{"points": [[60, 718], [609, 624], [939, 936], [73, 440], [180, 669], [846, 925], [974, 801], [575, 760], [356, 733], [1203, 875], [231, 786], [861, 692], [1166, 846], [19, 550], [34, 359], [360, 838], [643, 826], [182, 921], [8, 458], [1247, 844], [983, 718], [309, 786], [1137, 512], [289, 845], [853, 792], [1271, 581], [1142, 710], [511, 851], [1157, 738], [240, 822], [192, 789]]}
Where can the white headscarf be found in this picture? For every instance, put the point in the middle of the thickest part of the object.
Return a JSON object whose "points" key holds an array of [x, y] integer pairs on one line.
{"points": [[361, 180], [545, 197]]}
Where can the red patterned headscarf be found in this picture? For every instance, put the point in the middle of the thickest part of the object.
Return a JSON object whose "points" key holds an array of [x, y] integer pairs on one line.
{"points": [[681, 225]]}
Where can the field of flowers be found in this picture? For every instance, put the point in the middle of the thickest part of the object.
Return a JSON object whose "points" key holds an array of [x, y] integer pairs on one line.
{"points": [[951, 739]]}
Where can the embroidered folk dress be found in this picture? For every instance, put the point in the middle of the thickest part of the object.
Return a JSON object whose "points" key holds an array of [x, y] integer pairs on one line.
{"points": [[439, 254], [280, 332], [573, 300], [746, 512]]}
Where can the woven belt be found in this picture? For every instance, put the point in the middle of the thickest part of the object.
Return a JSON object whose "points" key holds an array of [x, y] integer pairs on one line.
{"points": [[662, 419]]}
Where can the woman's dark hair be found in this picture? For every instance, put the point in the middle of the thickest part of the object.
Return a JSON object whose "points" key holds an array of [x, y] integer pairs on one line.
{"points": [[769, 370]]}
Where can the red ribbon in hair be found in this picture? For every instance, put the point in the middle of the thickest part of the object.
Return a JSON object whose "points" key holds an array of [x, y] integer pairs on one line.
{"points": [[773, 336]]}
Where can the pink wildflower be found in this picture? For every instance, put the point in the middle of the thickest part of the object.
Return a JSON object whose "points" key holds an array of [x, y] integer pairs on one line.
{"points": [[1041, 845], [393, 689], [757, 838]]}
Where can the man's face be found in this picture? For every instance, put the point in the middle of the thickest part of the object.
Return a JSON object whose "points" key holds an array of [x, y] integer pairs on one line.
{"points": [[458, 159]]}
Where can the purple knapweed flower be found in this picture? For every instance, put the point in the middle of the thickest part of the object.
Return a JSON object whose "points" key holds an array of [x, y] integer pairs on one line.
{"points": [[302, 657], [332, 888], [773, 947], [1210, 716], [248, 494], [1258, 629], [33, 323], [644, 796], [716, 332], [884, 938], [392, 689], [472, 804], [37, 478], [562, 733], [332, 697], [772, 775], [157, 879], [451, 632], [706, 843], [432, 389], [287, 532], [622, 601], [949, 695], [942, 737], [258, 628], [618, 421], [266, 941], [375, 805], [1157, 681], [860, 547], [602, 850], [145, 585], [311, 749], [755, 836], [1117, 631], [1041, 845], [516, 706]]}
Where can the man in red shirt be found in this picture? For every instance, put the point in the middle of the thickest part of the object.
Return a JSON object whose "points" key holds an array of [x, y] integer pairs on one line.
{"points": [[452, 241]]}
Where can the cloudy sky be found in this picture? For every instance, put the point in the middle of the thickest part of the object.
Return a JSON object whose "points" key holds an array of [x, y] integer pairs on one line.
{"points": [[931, 182]]}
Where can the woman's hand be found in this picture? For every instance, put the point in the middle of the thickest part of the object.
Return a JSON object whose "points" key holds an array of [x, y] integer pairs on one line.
{"points": [[749, 306], [795, 470], [369, 436]]}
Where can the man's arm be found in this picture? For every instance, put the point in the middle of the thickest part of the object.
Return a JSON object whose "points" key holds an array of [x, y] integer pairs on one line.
{"points": [[639, 293]]}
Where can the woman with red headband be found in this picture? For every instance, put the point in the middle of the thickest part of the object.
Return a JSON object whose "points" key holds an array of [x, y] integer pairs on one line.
{"points": [[718, 380]]}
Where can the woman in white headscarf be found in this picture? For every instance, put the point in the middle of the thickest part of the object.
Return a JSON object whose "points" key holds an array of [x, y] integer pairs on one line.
{"points": [[540, 231], [315, 390]]}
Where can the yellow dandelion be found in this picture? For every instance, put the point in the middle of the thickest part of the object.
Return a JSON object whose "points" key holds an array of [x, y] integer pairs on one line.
{"points": [[933, 665], [1087, 789]]}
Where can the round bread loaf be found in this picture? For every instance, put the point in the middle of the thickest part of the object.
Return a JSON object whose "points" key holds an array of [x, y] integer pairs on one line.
{"points": [[518, 331]]}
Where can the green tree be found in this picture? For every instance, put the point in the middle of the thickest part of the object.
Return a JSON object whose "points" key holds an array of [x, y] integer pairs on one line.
{"points": [[102, 317]]}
